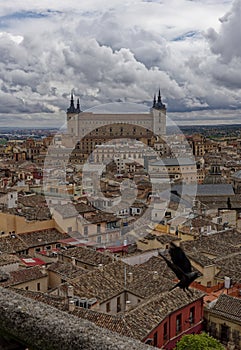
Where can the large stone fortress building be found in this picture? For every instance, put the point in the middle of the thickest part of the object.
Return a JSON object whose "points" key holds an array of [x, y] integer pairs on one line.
{"points": [[88, 129]]}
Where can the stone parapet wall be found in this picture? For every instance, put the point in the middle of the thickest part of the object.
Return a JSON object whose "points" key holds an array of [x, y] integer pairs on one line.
{"points": [[42, 327]]}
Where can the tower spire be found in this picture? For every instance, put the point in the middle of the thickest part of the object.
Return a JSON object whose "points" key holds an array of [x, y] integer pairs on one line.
{"points": [[78, 106], [71, 108], [159, 97], [157, 103]]}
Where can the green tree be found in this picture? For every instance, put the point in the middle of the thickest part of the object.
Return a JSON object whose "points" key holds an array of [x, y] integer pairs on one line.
{"points": [[198, 342]]}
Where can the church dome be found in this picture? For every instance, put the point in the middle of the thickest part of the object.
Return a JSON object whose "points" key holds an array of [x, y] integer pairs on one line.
{"points": [[214, 176]]}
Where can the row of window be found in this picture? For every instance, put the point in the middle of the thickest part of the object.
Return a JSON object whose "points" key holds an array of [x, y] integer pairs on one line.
{"points": [[48, 247], [179, 325]]}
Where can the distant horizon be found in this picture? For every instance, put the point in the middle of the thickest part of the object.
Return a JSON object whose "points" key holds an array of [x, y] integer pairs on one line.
{"points": [[168, 126]]}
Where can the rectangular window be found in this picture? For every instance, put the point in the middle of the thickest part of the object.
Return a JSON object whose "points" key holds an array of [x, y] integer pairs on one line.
{"points": [[108, 307], [98, 228], [38, 286], [118, 304], [178, 323], [224, 333], [69, 229], [155, 338], [86, 230], [165, 335], [192, 315]]}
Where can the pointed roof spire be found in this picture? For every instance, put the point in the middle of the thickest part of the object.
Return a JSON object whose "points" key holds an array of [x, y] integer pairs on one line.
{"points": [[159, 97], [78, 106], [71, 108], [72, 99], [158, 104]]}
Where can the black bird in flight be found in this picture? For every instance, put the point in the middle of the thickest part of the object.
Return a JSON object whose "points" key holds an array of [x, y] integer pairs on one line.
{"points": [[181, 266]]}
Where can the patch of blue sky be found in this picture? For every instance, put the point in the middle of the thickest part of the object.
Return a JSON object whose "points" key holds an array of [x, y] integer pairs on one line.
{"points": [[25, 15], [90, 13], [187, 35]]}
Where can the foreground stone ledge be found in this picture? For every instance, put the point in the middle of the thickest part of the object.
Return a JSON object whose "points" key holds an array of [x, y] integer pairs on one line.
{"points": [[42, 327]]}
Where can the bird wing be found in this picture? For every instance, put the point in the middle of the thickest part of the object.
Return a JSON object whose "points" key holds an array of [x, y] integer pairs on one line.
{"points": [[179, 258], [176, 269]]}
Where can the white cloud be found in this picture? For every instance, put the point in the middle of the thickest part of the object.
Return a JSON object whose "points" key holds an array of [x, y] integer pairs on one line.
{"points": [[118, 50]]}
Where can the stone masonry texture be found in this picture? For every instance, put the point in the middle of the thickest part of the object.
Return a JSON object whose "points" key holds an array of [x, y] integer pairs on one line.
{"points": [[42, 327]]}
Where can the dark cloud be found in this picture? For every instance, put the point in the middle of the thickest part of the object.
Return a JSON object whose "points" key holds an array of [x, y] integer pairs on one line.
{"points": [[106, 58]]}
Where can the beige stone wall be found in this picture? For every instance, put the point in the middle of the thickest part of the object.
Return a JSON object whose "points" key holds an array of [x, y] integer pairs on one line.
{"points": [[123, 297], [218, 320], [54, 279], [64, 224], [186, 172], [33, 285], [83, 123], [208, 279], [10, 223]]}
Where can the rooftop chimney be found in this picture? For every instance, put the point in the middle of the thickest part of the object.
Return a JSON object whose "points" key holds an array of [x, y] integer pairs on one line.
{"points": [[128, 305], [130, 277], [71, 304], [101, 267], [70, 292], [155, 275], [43, 269]]}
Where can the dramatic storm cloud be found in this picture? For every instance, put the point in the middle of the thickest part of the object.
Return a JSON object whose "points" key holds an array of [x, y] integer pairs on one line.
{"points": [[120, 51]]}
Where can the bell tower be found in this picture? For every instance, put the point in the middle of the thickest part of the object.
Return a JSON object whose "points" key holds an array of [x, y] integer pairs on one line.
{"points": [[158, 111]]}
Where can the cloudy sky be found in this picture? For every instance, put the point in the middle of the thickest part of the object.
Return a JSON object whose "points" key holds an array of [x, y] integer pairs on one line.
{"points": [[120, 50]]}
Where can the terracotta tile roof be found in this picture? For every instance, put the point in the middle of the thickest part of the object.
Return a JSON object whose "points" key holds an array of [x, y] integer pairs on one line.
{"points": [[114, 279], [52, 300], [95, 284], [34, 200], [227, 307], [102, 217], [12, 245], [141, 320], [6, 259], [218, 244], [137, 322], [66, 270], [84, 208], [156, 263], [88, 256], [230, 266], [24, 275], [115, 323], [145, 317], [66, 210], [37, 213], [201, 259], [38, 238]]}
